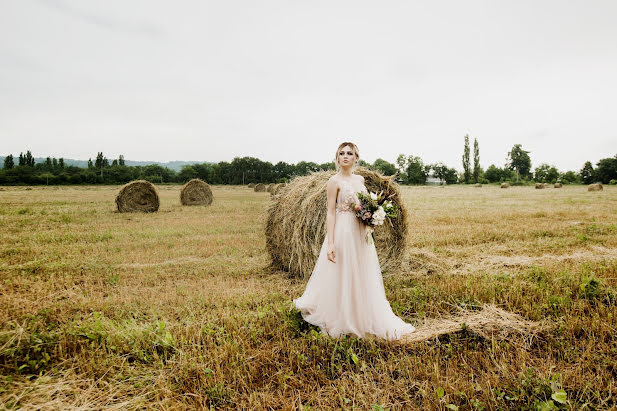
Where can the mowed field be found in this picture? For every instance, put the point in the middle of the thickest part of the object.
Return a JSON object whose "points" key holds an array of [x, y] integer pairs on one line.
{"points": [[179, 309]]}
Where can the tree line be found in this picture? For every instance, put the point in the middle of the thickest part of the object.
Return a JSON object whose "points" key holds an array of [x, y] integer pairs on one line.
{"points": [[409, 169]]}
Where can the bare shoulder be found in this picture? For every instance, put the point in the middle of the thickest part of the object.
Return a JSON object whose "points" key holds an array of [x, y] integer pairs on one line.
{"points": [[333, 181]]}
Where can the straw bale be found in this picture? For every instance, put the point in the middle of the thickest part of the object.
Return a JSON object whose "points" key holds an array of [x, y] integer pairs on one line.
{"points": [[138, 195], [296, 224], [196, 192]]}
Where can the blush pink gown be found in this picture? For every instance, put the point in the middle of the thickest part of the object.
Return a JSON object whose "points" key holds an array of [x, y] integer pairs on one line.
{"points": [[348, 297]]}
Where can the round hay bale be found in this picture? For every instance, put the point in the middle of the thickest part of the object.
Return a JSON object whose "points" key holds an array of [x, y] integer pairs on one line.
{"points": [[279, 187], [28, 188], [477, 185], [558, 185], [260, 188], [595, 187], [273, 190], [270, 187], [138, 195], [196, 192], [296, 224], [251, 185], [540, 185], [546, 185], [505, 185]]}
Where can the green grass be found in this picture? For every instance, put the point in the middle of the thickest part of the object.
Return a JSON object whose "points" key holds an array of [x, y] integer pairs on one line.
{"points": [[179, 309]]}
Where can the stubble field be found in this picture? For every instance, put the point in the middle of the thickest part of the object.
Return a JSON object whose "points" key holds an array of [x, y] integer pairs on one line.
{"points": [[179, 309]]}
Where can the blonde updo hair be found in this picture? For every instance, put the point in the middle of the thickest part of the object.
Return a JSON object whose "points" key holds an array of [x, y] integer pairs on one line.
{"points": [[355, 150]]}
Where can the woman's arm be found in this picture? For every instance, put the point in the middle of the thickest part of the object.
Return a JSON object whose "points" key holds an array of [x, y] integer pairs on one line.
{"points": [[331, 193]]}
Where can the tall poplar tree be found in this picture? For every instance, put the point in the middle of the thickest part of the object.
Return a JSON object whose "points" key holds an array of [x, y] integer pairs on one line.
{"points": [[466, 166], [8, 162], [476, 160]]}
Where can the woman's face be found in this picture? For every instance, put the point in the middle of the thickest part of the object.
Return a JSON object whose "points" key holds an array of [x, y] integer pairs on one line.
{"points": [[346, 156]]}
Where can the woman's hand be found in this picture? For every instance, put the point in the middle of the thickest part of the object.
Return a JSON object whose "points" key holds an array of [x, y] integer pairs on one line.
{"points": [[331, 253]]}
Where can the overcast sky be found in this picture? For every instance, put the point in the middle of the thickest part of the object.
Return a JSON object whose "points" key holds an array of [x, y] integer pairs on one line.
{"points": [[288, 80]]}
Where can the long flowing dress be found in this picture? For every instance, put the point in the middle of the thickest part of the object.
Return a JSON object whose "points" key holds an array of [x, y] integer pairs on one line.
{"points": [[348, 297]]}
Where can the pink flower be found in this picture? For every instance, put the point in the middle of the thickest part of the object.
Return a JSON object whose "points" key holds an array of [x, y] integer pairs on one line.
{"points": [[358, 207]]}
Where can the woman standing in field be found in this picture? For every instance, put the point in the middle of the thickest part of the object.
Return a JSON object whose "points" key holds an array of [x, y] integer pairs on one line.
{"points": [[345, 293]]}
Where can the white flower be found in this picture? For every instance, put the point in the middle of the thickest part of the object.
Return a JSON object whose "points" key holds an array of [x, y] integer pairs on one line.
{"points": [[373, 196], [379, 216]]}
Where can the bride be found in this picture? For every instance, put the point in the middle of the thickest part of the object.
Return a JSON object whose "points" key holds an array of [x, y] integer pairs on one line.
{"points": [[345, 293]]}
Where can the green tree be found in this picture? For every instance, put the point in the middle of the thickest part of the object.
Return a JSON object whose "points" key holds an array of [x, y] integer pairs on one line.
{"points": [[545, 173], [519, 161], [121, 160], [384, 167], [416, 171], [440, 170], [90, 165], [29, 159], [570, 177], [476, 161], [61, 163], [606, 170], [466, 166], [495, 174], [587, 173], [22, 159], [451, 176], [8, 162], [401, 163]]}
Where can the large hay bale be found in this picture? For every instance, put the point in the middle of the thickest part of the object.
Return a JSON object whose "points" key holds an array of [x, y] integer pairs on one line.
{"points": [[260, 188], [505, 185], [296, 225], [196, 192], [595, 187], [558, 185], [270, 187], [279, 187], [546, 185], [251, 185], [139, 195], [477, 185], [540, 185]]}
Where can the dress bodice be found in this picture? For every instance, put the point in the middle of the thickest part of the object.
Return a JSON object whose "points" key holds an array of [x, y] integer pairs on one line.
{"points": [[347, 195]]}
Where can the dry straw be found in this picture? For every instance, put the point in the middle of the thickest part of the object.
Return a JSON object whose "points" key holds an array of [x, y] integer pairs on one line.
{"points": [[540, 185], [139, 195], [251, 185], [296, 225], [558, 185], [595, 187], [505, 185], [270, 187], [196, 192], [490, 322], [260, 187], [477, 185], [279, 187]]}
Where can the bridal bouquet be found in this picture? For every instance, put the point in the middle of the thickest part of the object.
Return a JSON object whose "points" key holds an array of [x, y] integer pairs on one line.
{"points": [[373, 209]]}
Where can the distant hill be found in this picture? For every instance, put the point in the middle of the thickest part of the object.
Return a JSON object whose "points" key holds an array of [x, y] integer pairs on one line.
{"points": [[173, 165]]}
